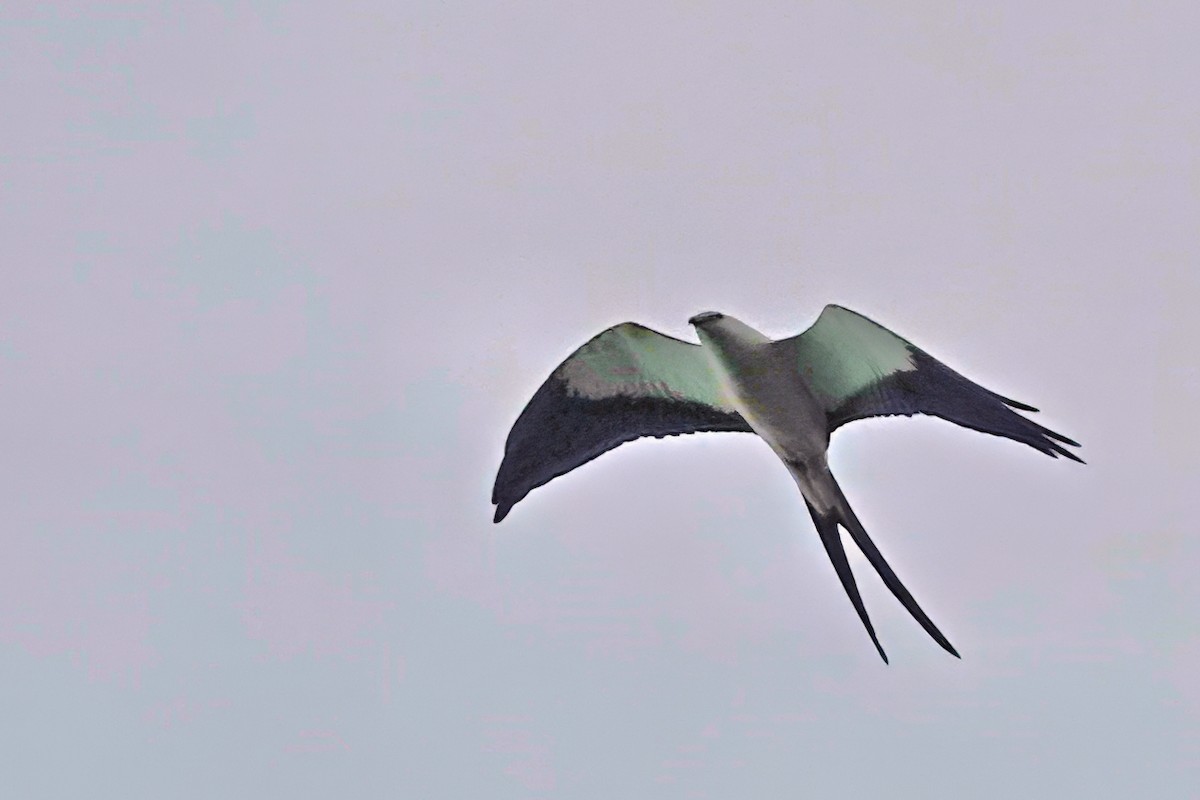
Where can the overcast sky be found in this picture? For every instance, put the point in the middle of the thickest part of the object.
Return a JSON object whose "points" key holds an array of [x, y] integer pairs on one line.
{"points": [[277, 278]]}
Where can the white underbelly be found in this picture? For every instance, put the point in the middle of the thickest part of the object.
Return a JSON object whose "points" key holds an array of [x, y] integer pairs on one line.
{"points": [[779, 407]]}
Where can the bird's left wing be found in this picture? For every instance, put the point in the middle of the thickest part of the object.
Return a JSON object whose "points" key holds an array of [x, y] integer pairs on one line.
{"points": [[858, 368], [625, 383]]}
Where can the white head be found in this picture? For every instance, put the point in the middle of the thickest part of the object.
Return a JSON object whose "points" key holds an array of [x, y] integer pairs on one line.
{"points": [[722, 329]]}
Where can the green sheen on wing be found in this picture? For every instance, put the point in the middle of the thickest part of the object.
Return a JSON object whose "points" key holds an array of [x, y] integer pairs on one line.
{"points": [[633, 361], [844, 353]]}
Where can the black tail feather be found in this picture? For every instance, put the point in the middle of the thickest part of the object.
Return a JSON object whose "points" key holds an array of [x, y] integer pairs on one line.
{"points": [[850, 521], [820, 483], [831, 537]]}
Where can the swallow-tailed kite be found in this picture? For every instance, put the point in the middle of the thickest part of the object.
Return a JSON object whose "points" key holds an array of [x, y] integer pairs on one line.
{"points": [[630, 381]]}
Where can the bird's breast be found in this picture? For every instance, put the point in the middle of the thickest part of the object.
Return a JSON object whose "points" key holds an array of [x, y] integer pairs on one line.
{"points": [[774, 399]]}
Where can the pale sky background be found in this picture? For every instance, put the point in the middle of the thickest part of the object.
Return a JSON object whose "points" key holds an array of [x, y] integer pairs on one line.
{"points": [[277, 278]]}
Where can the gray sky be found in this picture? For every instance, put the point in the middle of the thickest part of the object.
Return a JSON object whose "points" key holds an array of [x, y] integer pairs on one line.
{"points": [[279, 277]]}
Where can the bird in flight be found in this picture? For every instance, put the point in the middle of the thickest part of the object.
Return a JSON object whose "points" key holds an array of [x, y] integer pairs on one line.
{"points": [[630, 381]]}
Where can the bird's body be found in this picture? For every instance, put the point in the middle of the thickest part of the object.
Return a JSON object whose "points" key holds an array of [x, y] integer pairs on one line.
{"points": [[630, 382], [770, 394]]}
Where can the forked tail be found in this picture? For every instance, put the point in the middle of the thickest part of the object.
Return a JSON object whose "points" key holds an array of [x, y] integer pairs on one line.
{"points": [[819, 486]]}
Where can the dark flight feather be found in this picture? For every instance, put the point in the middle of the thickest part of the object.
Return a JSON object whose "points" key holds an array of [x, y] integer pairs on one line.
{"points": [[560, 430], [861, 369]]}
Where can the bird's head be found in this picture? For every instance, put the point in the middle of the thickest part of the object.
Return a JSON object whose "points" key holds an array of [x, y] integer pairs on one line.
{"points": [[705, 317], [723, 331]]}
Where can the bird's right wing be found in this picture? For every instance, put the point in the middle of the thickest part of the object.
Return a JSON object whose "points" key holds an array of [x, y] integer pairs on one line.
{"points": [[858, 368], [625, 383]]}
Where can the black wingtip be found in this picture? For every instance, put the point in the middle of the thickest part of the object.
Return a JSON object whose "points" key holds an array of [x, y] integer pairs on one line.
{"points": [[1073, 457], [1054, 451], [1008, 401], [502, 511], [1056, 436], [1063, 439]]}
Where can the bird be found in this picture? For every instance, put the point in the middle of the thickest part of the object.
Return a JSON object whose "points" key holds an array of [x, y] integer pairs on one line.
{"points": [[630, 381]]}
